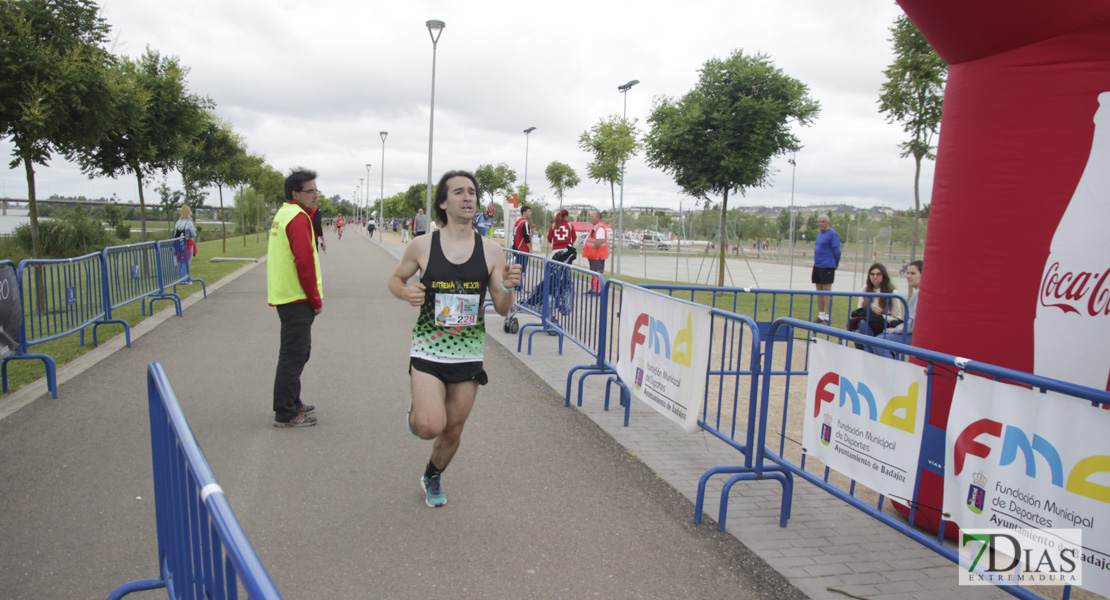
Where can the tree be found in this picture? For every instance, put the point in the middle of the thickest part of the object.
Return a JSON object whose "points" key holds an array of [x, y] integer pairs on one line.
{"points": [[562, 178], [158, 118], [913, 94], [612, 142], [219, 159], [56, 86], [721, 136], [494, 180]]}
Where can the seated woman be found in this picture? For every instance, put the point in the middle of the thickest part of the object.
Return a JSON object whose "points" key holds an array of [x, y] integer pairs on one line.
{"points": [[884, 312], [894, 334]]}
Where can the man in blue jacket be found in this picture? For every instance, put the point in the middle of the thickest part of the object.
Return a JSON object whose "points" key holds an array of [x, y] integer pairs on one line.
{"points": [[826, 258]]}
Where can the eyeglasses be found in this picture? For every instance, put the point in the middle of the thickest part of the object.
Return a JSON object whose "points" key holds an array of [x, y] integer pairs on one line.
{"points": [[313, 192]]}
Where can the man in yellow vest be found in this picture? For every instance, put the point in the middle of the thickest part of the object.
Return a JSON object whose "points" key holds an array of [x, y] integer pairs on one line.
{"points": [[294, 285], [596, 248]]}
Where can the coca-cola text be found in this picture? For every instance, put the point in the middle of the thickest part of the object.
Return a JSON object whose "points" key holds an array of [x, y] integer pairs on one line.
{"points": [[1067, 291]]}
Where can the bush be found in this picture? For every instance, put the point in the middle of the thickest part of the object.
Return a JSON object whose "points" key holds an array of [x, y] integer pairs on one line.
{"points": [[123, 231], [75, 235]]}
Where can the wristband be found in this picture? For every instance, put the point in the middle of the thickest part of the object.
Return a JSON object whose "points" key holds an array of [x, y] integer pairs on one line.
{"points": [[505, 289]]}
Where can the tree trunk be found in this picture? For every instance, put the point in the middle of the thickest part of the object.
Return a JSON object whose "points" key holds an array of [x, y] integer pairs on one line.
{"points": [[223, 221], [916, 204], [36, 242], [721, 244], [619, 234], [142, 201], [32, 207]]}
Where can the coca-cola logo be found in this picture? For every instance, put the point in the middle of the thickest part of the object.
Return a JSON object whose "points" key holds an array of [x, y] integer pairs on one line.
{"points": [[1083, 292]]}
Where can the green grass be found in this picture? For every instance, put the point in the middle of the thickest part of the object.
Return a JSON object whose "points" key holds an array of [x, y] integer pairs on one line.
{"points": [[68, 348], [745, 304]]}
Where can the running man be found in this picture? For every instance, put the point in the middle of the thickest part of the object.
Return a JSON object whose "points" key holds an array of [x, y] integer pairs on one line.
{"points": [[457, 267], [339, 223]]}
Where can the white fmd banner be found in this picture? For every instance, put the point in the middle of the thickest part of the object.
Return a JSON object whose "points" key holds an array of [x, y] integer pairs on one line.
{"points": [[864, 417], [664, 353], [1019, 459]]}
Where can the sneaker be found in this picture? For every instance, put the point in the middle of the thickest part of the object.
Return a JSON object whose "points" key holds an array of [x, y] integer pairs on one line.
{"points": [[821, 321], [301, 420], [306, 408], [433, 491]]}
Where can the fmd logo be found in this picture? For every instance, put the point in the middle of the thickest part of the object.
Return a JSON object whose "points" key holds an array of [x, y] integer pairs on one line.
{"points": [[832, 385], [658, 340]]}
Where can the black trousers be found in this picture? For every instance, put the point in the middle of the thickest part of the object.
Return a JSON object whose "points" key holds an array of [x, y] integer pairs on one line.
{"points": [[296, 346]]}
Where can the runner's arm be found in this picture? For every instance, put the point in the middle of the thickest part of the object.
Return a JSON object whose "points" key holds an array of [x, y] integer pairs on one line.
{"points": [[410, 264]]}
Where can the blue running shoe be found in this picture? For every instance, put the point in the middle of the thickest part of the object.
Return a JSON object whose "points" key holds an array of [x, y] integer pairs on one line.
{"points": [[433, 491]]}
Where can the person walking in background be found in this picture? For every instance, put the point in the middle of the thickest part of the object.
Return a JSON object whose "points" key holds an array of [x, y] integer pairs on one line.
{"points": [[457, 267], [420, 223], [404, 230], [826, 258], [185, 228], [596, 249], [295, 286]]}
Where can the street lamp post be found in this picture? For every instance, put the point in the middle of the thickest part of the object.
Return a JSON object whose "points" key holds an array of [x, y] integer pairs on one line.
{"points": [[381, 194], [358, 199], [366, 194], [435, 28], [527, 135], [620, 215], [793, 167]]}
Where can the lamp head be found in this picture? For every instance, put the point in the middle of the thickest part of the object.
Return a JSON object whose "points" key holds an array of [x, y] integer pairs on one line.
{"points": [[529, 130], [628, 86], [435, 27], [383, 134]]}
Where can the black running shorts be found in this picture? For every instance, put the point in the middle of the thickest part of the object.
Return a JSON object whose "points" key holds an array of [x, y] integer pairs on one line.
{"points": [[450, 372], [821, 275]]}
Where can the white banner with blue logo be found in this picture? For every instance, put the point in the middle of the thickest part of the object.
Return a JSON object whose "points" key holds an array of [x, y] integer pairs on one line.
{"points": [[864, 417], [1019, 459], [663, 353]]}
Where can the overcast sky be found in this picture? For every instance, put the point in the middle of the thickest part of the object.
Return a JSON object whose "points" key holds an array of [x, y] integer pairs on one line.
{"points": [[311, 83]]}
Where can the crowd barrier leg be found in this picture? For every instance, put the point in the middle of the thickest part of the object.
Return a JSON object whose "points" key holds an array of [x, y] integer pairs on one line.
{"points": [[570, 380], [126, 329], [625, 397], [136, 586], [543, 329], [781, 476], [51, 371], [582, 381], [173, 297], [699, 501]]}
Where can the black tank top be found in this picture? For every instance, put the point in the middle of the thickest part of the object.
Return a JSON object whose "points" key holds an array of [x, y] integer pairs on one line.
{"points": [[452, 325]]}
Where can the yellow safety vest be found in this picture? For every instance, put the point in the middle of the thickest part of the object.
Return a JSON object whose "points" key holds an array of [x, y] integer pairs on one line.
{"points": [[282, 284]]}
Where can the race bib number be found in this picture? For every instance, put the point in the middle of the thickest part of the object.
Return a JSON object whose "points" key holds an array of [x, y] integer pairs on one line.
{"points": [[457, 310]]}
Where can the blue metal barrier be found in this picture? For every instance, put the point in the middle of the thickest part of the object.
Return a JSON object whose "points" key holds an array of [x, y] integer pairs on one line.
{"points": [[793, 460], [598, 305], [59, 297], [202, 550], [173, 269], [133, 274]]}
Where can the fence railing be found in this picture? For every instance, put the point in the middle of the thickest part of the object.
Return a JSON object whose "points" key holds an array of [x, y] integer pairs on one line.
{"points": [[759, 365], [202, 550], [59, 297]]}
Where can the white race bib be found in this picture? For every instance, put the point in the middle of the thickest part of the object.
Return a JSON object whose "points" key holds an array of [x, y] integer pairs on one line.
{"points": [[456, 310]]}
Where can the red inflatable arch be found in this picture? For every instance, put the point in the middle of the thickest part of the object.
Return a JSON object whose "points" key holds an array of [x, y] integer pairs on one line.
{"points": [[1018, 253]]}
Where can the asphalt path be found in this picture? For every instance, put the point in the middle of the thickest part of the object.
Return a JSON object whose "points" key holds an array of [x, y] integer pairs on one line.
{"points": [[541, 502]]}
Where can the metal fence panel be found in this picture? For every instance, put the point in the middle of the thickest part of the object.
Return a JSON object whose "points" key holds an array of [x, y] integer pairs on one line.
{"points": [[202, 549]]}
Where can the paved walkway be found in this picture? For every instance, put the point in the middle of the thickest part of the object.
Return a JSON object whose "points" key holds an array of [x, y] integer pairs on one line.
{"points": [[544, 501]]}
